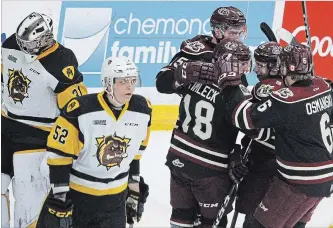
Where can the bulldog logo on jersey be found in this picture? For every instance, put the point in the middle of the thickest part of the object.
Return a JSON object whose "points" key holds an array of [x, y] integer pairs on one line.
{"points": [[18, 85], [111, 150]]}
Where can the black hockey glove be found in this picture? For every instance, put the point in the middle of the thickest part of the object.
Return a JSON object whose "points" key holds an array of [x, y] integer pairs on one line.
{"points": [[136, 198], [202, 72], [56, 212], [237, 167]]}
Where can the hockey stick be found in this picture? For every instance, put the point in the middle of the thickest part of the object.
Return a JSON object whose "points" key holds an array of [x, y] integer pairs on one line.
{"points": [[268, 31], [307, 30], [235, 216], [231, 192], [286, 36], [234, 219]]}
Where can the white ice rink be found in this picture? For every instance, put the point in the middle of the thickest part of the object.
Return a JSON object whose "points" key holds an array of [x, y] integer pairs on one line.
{"points": [[156, 174]]}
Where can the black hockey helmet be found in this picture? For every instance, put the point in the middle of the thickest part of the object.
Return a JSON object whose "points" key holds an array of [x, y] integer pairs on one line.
{"points": [[224, 18], [267, 57]]}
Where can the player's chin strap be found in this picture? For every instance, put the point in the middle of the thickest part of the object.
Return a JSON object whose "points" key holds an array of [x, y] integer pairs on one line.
{"points": [[113, 100]]}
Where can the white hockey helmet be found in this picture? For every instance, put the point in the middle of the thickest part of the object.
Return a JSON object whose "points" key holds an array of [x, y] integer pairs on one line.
{"points": [[35, 33], [118, 67]]}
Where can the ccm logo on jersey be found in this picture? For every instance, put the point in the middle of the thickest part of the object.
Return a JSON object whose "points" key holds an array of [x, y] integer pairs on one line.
{"points": [[208, 205], [61, 214], [131, 124]]}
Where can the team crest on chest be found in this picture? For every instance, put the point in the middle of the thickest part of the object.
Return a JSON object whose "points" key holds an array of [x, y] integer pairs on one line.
{"points": [[18, 85], [195, 46], [264, 90], [111, 150]]}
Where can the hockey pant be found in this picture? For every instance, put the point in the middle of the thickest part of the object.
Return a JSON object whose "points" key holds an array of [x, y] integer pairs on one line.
{"points": [[98, 211], [207, 194]]}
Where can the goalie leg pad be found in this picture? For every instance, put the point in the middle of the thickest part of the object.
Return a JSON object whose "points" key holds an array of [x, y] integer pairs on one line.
{"points": [[30, 186], [5, 205]]}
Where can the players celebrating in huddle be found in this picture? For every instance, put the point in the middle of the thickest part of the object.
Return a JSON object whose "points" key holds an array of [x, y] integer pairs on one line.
{"points": [[290, 168]]}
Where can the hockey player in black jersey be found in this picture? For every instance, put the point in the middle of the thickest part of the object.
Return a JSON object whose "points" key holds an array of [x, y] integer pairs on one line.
{"points": [[195, 135], [300, 114], [198, 156], [39, 76], [226, 22], [94, 151], [254, 185]]}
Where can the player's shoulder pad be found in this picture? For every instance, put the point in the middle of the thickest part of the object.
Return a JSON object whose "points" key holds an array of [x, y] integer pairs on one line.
{"points": [[295, 94], [62, 64], [264, 88], [139, 103], [82, 105], [197, 45], [11, 43]]}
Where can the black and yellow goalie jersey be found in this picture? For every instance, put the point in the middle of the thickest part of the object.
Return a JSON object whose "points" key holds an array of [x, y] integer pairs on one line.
{"points": [[34, 92], [105, 147]]}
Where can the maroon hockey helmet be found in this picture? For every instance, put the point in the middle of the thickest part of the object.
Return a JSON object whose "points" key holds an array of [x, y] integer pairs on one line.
{"points": [[267, 57], [224, 18], [296, 60], [236, 48]]}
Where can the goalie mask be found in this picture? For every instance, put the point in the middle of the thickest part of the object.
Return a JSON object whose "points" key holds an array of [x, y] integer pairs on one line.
{"points": [[35, 34], [122, 69], [228, 22], [237, 49], [267, 58]]}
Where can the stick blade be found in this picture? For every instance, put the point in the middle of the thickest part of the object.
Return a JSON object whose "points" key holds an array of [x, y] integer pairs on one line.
{"points": [[268, 31], [286, 36]]}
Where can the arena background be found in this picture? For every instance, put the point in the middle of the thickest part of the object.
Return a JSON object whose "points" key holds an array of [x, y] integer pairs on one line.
{"points": [[150, 33]]}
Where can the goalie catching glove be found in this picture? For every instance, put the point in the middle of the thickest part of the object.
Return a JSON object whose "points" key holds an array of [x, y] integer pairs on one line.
{"points": [[56, 212], [136, 198], [202, 72]]}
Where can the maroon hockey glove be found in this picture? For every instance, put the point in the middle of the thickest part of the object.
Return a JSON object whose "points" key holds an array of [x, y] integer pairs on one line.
{"points": [[228, 67], [237, 167], [202, 72]]}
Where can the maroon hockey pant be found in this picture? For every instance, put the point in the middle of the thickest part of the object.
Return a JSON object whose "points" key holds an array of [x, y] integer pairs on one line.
{"points": [[188, 194], [283, 206]]}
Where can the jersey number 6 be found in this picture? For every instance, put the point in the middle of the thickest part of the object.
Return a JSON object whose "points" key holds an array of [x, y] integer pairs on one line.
{"points": [[326, 132], [199, 119]]}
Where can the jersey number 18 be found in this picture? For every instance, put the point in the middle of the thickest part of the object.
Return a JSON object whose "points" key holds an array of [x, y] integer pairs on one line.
{"points": [[199, 119]]}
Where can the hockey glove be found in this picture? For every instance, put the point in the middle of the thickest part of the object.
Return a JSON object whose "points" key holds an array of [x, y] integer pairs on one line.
{"points": [[237, 167], [228, 67], [202, 72], [56, 212], [136, 198]]}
